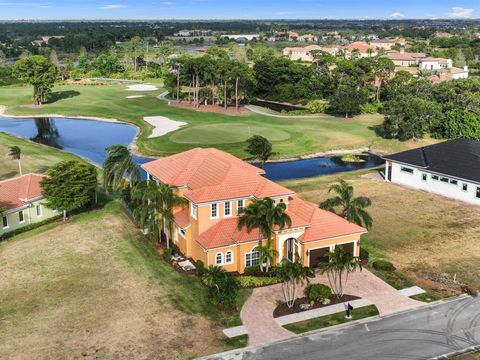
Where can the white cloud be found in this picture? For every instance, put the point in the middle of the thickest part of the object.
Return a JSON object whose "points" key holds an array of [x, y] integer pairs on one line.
{"points": [[397, 15], [113, 6], [167, 3], [459, 12]]}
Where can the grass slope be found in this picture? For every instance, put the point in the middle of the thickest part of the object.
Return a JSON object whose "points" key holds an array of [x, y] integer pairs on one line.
{"points": [[290, 137], [427, 237], [94, 287]]}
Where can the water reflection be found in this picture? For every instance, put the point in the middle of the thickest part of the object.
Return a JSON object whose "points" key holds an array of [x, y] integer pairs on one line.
{"points": [[47, 132]]}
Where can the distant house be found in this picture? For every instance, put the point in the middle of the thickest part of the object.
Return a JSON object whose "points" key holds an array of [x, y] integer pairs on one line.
{"points": [[21, 198], [45, 40], [305, 53], [443, 34], [243, 37], [308, 38], [387, 44], [364, 49], [430, 63], [401, 58], [450, 168]]}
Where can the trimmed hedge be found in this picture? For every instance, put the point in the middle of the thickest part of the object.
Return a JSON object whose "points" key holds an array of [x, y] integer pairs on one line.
{"points": [[254, 281], [383, 265], [29, 227]]}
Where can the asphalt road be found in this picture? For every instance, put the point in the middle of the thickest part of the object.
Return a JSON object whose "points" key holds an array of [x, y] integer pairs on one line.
{"points": [[423, 333]]}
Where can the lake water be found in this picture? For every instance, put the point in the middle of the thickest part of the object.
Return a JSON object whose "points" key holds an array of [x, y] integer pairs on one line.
{"points": [[90, 138]]}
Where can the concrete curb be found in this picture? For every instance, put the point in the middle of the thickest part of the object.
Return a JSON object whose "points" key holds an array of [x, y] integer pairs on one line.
{"points": [[449, 355]]}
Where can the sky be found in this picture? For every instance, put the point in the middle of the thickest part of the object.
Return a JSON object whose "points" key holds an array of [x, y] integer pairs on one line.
{"points": [[238, 9]]}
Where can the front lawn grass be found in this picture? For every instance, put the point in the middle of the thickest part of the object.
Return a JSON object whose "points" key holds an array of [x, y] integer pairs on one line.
{"points": [[428, 238], [331, 320], [290, 137], [95, 287], [425, 297], [235, 342]]}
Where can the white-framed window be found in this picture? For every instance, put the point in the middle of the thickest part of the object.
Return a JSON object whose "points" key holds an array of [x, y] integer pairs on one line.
{"points": [[229, 257], [193, 210], [406, 169], [424, 176], [435, 177], [219, 258], [252, 258], [227, 210], [478, 192], [465, 187], [240, 205], [453, 182], [39, 210], [214, 211], [5, 221], [183, 233], [21, 217]]}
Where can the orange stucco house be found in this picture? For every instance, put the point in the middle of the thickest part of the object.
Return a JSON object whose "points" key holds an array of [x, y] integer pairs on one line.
{"points": [[218, 186]]}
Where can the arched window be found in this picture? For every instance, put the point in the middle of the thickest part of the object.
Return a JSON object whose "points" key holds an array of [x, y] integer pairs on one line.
{"points": [[252, 258], [219, 258], [229, 257]]}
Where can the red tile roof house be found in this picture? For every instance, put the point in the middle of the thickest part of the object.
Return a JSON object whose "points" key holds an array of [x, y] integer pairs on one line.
{"points": [[218, 186], [21, 199]]}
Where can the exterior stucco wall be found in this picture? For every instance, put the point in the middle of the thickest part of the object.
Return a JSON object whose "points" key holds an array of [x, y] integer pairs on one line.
{"points": [[29, 216], [414, 180]]}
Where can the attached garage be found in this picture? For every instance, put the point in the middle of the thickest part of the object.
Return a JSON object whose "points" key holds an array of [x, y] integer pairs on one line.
{"points": [[318, 255]]}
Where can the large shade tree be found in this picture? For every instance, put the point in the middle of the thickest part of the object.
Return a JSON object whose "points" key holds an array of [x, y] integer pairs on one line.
{"points": [[69, 185], [39, 72], [260, 148], [264, 215], [347, 206]]}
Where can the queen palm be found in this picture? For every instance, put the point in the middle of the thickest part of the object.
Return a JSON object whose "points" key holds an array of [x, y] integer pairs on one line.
{"points": [[350, 208], [155, 211], [265, 214], [16, 154], [118, 164]]}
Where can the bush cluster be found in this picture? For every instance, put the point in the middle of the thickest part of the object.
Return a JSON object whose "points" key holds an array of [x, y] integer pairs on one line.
{"points": [[383, 265], [318, 292], [254, 281]]}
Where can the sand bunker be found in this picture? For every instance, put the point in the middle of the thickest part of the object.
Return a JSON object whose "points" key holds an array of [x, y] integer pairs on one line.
{"points": [[141, 87], [162, 125], [135, 96]]}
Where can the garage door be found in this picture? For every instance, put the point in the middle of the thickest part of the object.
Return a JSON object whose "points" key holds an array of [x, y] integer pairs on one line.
{"points": [[318, 255]]}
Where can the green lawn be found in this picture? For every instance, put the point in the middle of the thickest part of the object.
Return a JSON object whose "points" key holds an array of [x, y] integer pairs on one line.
{"points": [[331, 320], [35, 157], [290, 137], [95, 286]]}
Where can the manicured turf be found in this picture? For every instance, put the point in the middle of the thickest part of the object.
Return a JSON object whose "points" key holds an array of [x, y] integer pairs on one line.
{"points": [[235, 342], [331, 320], [427, 237], [290, 137], [425, 297], [95, 287], [35, 157]]}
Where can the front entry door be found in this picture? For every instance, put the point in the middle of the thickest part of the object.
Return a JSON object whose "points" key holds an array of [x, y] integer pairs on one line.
{"points": [[290, 249]]}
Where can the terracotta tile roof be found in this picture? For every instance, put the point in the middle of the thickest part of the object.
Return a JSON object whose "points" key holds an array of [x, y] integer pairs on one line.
{"points": [[319, 224], [323, 224], [360, 46], [182, 218], [18, 191], [212, 175]]}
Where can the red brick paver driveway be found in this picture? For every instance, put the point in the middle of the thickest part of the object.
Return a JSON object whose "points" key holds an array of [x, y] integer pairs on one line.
{"points": [[257, 313]]}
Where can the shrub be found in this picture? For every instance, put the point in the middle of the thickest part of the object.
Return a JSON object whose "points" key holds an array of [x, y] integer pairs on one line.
{"points": [[251, 270], [370, 108], [383, 265], [318, 292], [200, 268], [253, 281], [317, 106], [364, 255], [167, 254], [222, 286], [29, 227]]}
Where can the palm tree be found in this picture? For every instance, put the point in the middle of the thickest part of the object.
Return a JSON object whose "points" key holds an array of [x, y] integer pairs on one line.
{"points": [[292, 274], [265, 214], [351, 208], [16, 154], [341, 262], [119, 163], [155, 211]]}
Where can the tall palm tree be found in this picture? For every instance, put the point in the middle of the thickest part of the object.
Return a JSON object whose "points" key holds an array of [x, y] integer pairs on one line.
{"points": [[351, 208], [265, 215], [119, 163], [16, 154], [341, 264], [155, 211]]}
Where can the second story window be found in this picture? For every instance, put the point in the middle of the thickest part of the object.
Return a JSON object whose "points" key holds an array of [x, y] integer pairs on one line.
{"points": [[240, 206], [228, 210], [214, 211]]}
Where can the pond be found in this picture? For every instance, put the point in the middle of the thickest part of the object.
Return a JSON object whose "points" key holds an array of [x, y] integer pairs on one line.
{"points": [[89, 138]]}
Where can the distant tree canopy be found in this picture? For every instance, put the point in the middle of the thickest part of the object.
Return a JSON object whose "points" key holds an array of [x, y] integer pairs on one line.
{"points": [[39, 72]]}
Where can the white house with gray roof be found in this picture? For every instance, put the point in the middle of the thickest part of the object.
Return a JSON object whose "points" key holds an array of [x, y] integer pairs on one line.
{"points": [[450, 168]]}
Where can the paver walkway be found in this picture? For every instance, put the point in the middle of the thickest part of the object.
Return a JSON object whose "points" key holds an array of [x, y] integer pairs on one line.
{"points": [[257, 312]]}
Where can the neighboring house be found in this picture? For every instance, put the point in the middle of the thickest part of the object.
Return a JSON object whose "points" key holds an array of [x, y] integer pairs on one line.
{"points": [[242, 37], [22, 198], [387, 44], [450, 168], [401, 58], [305, 53], [452, 73], [430, 63], [364, 49], [218, 186], [308, 38]]}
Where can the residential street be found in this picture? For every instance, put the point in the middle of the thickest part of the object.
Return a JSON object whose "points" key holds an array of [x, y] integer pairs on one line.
{"points": [[418, 334]]}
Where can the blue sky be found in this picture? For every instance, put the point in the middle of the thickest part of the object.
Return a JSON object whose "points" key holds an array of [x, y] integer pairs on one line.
{"points": [[237, 9]]}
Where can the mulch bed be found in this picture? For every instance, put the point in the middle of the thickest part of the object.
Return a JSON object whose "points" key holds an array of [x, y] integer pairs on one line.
{"points": [[283, 309], [213, 108]]}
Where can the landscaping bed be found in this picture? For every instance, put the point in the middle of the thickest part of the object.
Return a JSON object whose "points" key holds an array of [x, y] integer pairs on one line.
{"points": [[283, 309]]}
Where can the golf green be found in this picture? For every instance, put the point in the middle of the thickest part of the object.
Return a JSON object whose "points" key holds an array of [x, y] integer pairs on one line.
{"points": [[226, 133]]}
